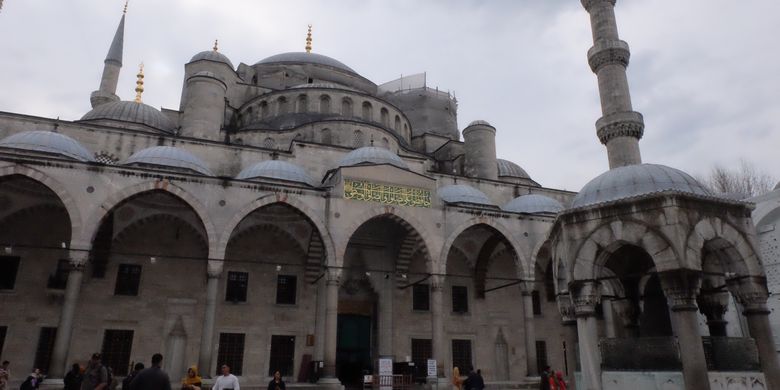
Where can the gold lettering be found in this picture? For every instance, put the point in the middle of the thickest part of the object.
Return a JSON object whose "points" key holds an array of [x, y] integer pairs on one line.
{"points": [[386, 193]]}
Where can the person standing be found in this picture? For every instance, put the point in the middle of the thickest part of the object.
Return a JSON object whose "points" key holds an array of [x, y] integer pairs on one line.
{"points": [[277, 383], [226, 381], [96, 375], [477, 383], [544, 382], [129, 378], [73, 378], [5, 375], [192, 381], [152, 378], [559, 381]]}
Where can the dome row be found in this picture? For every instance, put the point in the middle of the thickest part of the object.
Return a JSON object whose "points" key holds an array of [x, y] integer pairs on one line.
{"points": [[528, 204]]}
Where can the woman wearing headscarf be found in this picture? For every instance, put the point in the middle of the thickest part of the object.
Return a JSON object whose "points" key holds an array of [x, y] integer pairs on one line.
{"points": [[192, 381]]}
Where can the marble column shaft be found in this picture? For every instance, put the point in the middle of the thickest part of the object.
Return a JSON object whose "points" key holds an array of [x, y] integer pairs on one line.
{"points": [[77, 260]]}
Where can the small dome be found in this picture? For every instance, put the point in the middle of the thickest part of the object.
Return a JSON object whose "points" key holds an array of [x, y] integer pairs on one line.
{"points": [[636, 180], [212, 55], [168, 157], [308, 58], [460, 193], [507, 168], [479, 123], [275, 169], [132, 112], [372, 155], [533, 204], [47, 142]]}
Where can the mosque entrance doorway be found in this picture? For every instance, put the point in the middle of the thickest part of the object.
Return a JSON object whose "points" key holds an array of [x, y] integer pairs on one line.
{"points": [[353, 353]]}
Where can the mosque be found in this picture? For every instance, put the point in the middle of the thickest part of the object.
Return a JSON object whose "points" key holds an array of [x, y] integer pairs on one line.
{"points": [[293, 215]]}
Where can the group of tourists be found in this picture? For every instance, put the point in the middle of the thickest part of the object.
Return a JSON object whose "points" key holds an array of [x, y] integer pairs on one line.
{"points": [[473, 380], [30, 383], [551, 380]]}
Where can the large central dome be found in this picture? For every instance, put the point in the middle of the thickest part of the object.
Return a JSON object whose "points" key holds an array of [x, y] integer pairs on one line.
{"points": [[306, 58]]}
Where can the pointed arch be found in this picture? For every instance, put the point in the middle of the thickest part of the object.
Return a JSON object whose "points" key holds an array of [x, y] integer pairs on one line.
{"points": [[523, 266], [74, 213], [735, 249], [94, 221]]}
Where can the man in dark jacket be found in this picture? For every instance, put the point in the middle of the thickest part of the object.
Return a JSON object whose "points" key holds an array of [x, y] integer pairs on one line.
{"points": [[152, 378], [129, 378], [73, 378], [544, 384], [477, 383]]}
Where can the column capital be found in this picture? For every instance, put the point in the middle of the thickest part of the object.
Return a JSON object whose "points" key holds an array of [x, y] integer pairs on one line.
{"points": [[78, 258], [214, 268], [566, 308], [586, 296], [527, 288], [681, 288], [588, 4], [713, 304], [437, 283], [752, 293], [333, 276]]}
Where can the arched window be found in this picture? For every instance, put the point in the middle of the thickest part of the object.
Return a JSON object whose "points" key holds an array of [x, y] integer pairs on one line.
{"points": [[385, 117], [264, 110], [346, 107], [397, 124], [385, 143], [281, 105], [326, 137], [406, 131], [368, 112], [358, 140], [303, 104], [269, 143], [324, 104]]}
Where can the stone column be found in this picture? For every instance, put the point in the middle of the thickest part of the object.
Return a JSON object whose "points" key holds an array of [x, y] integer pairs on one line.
{"points": [[78, 260], [569, 322], [331, 326], [319, 322], [681, 288], [438, 344], [609, 317], [385, 285], [213, 274], [585, 296], [714, 306], [530, 333], [752, 294]]}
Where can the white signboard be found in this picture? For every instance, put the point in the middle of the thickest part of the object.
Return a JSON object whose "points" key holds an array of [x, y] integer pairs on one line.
{"points": [[432, 368], [385, 366]]}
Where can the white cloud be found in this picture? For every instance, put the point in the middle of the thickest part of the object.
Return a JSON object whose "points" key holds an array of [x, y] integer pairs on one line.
{"points": [[703, 72]]}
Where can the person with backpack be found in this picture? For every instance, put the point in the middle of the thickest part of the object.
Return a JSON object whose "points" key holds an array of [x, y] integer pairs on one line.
{"points": [[96, 374]]}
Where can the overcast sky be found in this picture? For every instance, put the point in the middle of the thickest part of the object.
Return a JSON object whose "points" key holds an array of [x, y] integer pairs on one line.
{"points": [[705, 73]]}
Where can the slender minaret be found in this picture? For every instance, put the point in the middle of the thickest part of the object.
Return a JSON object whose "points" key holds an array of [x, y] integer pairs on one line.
{"points": [[620, 127], [113, 63]]}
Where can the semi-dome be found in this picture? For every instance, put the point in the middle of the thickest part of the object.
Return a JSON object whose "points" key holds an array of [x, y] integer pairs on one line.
{"points": [[307, 58], [212, 55], [276, 169], [168, 157], [461, 193], [47, 142], [371, 155], [507, 168], [636, 180], [132, 112], [533, 204]]}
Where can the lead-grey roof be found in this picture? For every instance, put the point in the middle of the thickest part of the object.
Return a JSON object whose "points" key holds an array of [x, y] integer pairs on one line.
{"points": [[47, 142], [479, 122], [371, 155], [461, 193], [303, 57], [325, 86], [507, 168], [276, 169], [126, 111], [168, 157], [636, 180], [212, 55], [533, 204]]}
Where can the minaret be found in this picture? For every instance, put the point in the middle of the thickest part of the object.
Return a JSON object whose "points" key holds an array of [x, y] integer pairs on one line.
{"points": [[308, 40], [113, 63], [620, 127]]}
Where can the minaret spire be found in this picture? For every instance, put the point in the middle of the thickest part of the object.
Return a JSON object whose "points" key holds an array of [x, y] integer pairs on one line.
{"points": [[139, 84], [620, 127], [308, 40], [111, 67]]}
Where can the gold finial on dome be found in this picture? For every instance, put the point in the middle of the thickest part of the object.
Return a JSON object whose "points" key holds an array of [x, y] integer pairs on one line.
{"points": [[125, 10], [139, 89], [308, 40], [216, 45]]}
